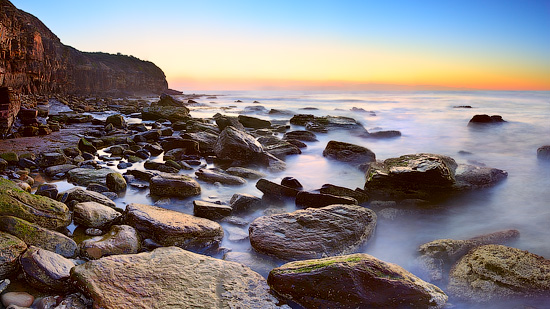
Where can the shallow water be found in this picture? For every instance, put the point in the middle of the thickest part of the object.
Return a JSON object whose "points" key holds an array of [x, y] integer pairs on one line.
{"points": [[428, 122]]}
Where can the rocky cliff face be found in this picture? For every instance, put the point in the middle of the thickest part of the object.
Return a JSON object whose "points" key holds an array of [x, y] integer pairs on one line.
{"points": [[33, 60]]}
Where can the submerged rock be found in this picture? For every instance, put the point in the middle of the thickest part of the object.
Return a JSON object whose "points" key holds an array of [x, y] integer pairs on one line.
{"points": [[313, 232], [353, 281], [38, 209], [171, 277], [172, 228], [498, 272], [245, 172]]}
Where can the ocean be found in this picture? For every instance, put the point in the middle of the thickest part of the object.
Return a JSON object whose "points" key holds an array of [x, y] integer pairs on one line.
{"points": [[430, 122]]}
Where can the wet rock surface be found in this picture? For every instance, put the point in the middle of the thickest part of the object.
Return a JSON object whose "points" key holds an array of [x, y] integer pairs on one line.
{"points": [[171, 277], [172, 228], [46, 270], [313, 232], [495, 272], [353, 281], [11, 248], [120, 239]]}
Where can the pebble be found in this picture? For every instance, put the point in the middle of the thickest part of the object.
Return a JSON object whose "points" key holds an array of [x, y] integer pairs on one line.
{"points": [[21, 299]]}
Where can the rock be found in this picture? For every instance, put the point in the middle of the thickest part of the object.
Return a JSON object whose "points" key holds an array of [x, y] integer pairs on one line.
{"points": [[117, 121], [411, 176], [174, 185], [244, 173], [85, 146], [253, 122], [476, 177], [172, 277], [33, 234], [4, 283], [270, 188], [305, 136], [210, 211], [11, 157], [206, 140], [154, 149], [543, 152], [92, 214], [85, 176], [97, 188], [353, 281], [168, 100], [257, 262], [347, 152], [46, 270], [21, 299], [384, 134], [58, 169], [213, 176], [480, 119], [358, 194], [11, 248], [306, 199], [52, 158], [74, 301], [291, 182], [172, 113], [172, 228], [3, 164], [82, 195], [241, 202], [152, 165], [496, 272], [225, 121], [38, 209], [282, 149], [237, 145], [191, 147], [439, 255], [115, 182], [313, 232], [120, 239]]}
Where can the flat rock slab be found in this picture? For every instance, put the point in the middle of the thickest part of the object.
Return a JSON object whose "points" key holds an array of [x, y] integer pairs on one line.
{"points": [[41, 210], [313, 232], [213, 176], [497, 272], [174, 186], [82, 195], [46, 270], [172, 228], [171, 278], [353, 281], [86, 176]]}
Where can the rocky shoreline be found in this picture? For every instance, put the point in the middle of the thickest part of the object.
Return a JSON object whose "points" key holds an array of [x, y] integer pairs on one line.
{"points": [[148, 256]]}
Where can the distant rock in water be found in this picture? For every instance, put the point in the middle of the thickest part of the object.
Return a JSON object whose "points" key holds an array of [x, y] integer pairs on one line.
{"points": [[462, 106], [543, 152], [35, 61], [486, 119]]}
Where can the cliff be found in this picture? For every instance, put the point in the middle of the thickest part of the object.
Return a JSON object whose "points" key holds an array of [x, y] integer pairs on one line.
{"points": [[34, 61]]}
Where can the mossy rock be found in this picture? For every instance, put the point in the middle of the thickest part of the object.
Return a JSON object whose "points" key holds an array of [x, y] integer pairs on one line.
{"points": [[115, 182], [41, 210], [11, 248], [85, 146], [11, 157]]}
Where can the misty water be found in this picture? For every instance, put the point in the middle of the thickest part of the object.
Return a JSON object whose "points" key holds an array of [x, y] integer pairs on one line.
{"points": [[430, 123]]}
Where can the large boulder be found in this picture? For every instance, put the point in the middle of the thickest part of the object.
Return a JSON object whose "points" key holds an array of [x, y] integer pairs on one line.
{"points": [[11, 248], [476, 177], [205, 139], [38, 209], [120, 239], [313, 232], [237, 145], [353, 281], [437, 257], [85, 176], [253, 122], [347, 152], [168, 100], [35, 235], [481, 119], [411, 176], [174, 186], [46, 270], [171, 278], [115, 182], [116, 120], [172, 228], [497, 272]]}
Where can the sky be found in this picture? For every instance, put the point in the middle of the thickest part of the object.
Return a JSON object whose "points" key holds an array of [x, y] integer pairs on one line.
{"points": [[308, 45]]}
